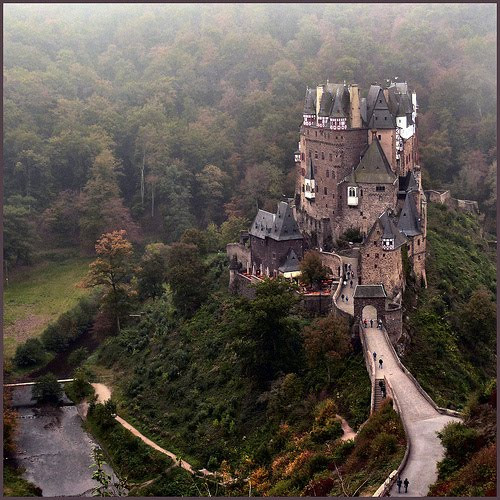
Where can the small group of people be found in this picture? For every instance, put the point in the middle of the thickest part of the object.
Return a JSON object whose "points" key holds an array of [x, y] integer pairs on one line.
{"points": [[379, 323], [400, 483], [344, 298]]}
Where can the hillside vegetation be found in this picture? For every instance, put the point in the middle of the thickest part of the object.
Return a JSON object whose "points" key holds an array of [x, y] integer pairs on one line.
{"points": [[452, 325]]}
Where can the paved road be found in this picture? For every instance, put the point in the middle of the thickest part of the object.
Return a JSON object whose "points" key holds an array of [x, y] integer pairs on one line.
{"points": [[421, 419], [347, 290]]}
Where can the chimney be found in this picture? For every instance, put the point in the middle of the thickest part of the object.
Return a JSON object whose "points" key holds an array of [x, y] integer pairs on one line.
{"points": [[355, 106], [386, 94], [319, 93]]}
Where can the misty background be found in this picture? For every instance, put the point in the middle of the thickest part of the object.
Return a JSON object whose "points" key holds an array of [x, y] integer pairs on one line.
{"points": [[158, 118]]}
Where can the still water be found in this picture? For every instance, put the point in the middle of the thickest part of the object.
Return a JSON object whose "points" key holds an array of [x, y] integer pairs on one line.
{"points": [[53, 448]]}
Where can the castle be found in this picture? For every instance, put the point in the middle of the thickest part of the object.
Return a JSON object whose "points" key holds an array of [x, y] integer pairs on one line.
{"points": [[357, 171]]}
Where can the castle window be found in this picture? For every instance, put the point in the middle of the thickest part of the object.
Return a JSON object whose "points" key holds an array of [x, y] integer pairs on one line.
{"points": [[325, 190], [303, 189], [360, 213], [333, 212], [341, 136], [368, 255], [375, 266], [418, 257], [327, 173], [316, 154], [333, 196], [331, 157], [361, 193], [303, 157], [379, 137], [383, 255], [322, 155], [317, 189], [274, 255], [380, 188], [418, 242], [316, 133], [380, 101], [327, 205]]}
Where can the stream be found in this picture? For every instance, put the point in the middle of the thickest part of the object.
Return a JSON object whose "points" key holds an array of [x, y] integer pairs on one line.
{"points": [[53, 447]]}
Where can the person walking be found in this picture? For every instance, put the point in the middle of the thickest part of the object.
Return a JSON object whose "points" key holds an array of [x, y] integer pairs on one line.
{"points": [[380, 362], [365, 322], [406, 483], [371, 323], [374, 356], [351, 283], [399, 482], [384, 393], [346, 298], [342, 297]]}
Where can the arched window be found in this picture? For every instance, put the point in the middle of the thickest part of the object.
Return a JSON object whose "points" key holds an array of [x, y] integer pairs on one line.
{"points": [[352, 191]]}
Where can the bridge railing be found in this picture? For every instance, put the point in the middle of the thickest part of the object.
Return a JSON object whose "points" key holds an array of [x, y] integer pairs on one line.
{"points": [[370, 365]]}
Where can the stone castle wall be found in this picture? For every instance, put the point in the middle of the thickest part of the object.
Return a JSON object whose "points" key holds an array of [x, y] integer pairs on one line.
{"points": [[272, 253], [371, 204], [382, 266]]}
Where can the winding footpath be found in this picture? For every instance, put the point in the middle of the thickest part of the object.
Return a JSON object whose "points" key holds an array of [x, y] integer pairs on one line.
{"points": [[104, 393], [422, 421]]}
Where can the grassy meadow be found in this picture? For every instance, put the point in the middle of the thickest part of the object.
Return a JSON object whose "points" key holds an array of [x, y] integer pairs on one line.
{"points": [[36, 296]]}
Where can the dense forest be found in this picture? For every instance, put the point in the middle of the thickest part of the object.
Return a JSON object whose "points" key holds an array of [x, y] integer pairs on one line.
{"points": [[158, 118]]}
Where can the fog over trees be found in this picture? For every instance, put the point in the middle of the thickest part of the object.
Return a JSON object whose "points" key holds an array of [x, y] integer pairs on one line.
{"points": [[184, 115]]}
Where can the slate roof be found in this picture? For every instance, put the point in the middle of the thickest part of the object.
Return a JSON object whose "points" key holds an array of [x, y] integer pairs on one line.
{"points": [[373, 167], [291, 263], [391, 231], [363, 110], [280, 226], [338, 108], [409, 221], [378, 114], [408, 183], [310, 102], [325, 104], [369, 291]]}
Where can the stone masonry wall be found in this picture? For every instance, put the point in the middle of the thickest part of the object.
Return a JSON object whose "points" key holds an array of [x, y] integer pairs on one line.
{"points": [[371, 204], [387, 138], [241, 252], [382, 266], [334, 154], [272, 253]]}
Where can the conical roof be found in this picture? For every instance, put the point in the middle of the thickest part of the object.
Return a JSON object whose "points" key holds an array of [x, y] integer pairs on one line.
{"points": [[409, 222], [291, 263], [374, 167]]}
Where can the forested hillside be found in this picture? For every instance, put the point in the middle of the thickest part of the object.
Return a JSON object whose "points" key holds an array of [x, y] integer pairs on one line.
{"points": [[156, 118]]}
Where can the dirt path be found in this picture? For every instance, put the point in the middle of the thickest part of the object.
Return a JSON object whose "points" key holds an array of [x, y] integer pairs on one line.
{"points": [[348, 431], [104, 393]]}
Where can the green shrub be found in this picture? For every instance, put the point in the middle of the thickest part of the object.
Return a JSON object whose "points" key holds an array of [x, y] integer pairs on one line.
{"points": [[459, 441], [77, 356], [47, 389], [30, 353], [384, 445]]}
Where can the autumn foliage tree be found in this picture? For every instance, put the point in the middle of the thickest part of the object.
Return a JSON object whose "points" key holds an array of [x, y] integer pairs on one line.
{"points": [[152, 271], [112, 270], [312, 269], [326, 340]]}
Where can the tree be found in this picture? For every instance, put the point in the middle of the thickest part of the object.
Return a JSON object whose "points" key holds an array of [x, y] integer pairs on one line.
{"points": [[478, 320], [47, 389], [312, 269], [107, 487], [231, 229], [186, 276], [112, 270], [19, 233], [269, 331], [152, 271], [326, 340], [212, 182], [30, 353], [102, 208]]}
